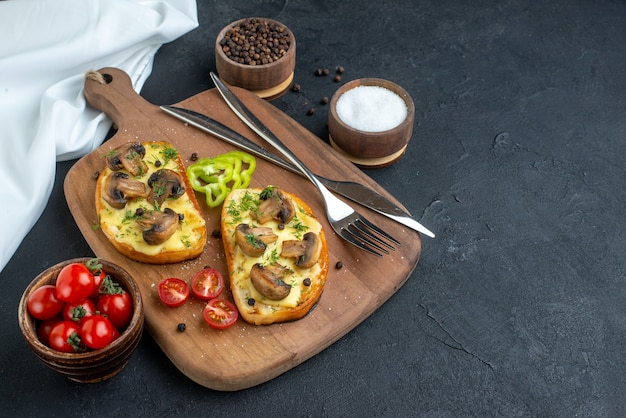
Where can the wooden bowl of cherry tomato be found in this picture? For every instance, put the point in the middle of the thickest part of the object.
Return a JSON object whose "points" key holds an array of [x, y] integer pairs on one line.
{"points": [[83, 318]]}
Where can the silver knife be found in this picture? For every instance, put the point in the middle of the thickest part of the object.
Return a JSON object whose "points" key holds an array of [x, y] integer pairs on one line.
{"points": [[351, 190], [354, 191]]}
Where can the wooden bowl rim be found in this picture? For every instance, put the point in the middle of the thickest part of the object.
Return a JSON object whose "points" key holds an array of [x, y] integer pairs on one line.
{"points": [[48, 276]]}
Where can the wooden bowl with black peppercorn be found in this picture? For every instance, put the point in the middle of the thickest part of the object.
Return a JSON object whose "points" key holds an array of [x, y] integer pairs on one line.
{"points": [[86, 366], [257, 54], [370, 122]]}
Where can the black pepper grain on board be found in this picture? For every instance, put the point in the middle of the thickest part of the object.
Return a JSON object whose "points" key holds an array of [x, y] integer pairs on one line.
{"points": [[255, 42]]}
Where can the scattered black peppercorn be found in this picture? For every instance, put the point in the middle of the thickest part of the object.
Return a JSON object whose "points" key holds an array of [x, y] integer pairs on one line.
{"points": [[337, 79], [325, 71], [139, 212], [157, 163], [181, 216], [296, 87], [340, 70], [324, 100], [281, 226], [251, 301], [194, 156], [310, 111], [216, 233], [182, 327], [306, 282], [338, 265], [318, 72]]}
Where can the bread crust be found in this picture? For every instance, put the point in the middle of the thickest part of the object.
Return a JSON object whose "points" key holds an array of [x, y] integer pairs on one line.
{"points": [[164, 256], [261, 313]]}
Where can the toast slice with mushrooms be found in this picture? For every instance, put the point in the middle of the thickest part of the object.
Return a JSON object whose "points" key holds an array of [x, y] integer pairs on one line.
{"points": [[146, 207], [276, 253]]}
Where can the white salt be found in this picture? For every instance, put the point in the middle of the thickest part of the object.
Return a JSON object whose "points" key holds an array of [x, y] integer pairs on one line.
{"points": [[371, 108]]}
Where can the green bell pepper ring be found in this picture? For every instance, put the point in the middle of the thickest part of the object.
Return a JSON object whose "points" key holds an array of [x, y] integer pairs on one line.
{"points": [[219, 175]]}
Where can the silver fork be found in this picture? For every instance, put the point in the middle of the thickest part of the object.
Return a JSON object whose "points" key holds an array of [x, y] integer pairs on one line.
{"points": [[347, 223], [354, 191]]}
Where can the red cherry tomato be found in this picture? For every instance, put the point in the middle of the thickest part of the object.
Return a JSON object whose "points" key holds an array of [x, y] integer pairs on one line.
{"points": [[43, 304], [77, 311], [207, 284], [116, 334], [95, 267], [44, 328], [96, 332], [118, 308], [173, 291], [98, 279], [64, 336], [220, 313], [74, 283]]}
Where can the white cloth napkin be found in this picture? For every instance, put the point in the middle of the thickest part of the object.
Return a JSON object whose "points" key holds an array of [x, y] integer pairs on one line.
{"points": [[46, 47]]}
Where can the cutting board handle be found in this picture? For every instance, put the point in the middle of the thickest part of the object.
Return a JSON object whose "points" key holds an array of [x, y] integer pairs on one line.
{"points": [[111, 91]]}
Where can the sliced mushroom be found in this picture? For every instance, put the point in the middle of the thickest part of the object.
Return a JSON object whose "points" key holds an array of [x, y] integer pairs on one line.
{"points": [[119, 189], [253, 241], [165, 184], [277, 206], [157, 226], [268, 280], [128, 156], [306, 251]]}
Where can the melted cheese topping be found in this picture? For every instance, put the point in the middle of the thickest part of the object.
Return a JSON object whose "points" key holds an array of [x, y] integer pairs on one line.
{"points": [[121, 222], [301, 223]]}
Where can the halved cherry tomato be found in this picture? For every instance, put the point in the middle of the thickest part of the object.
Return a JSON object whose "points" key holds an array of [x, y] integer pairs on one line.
{"points": [[64, 336], [44, 328], [220, 313], [96, 331], [118, 308], [173, 291], [74, 283], [43, 303], [207, 284], [78, 310]]}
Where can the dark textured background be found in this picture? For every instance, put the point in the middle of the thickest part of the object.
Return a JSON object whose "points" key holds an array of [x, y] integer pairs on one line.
{"points": [[517, 308]]}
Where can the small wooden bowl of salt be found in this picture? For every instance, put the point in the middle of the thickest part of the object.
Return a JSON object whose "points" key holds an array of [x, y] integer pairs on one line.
{"points": [[370, 122]]}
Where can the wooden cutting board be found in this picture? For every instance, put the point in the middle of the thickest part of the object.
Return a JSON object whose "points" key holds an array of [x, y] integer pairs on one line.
{"points": [[243, 355]]}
